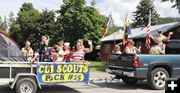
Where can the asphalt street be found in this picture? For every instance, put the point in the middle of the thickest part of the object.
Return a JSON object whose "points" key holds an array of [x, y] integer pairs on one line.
{"points": [[99, 84]]}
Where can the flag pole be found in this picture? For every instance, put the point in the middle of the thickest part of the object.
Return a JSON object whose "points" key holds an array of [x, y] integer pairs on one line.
{"points": [[130, 28], [114, 31], [127, 29]]}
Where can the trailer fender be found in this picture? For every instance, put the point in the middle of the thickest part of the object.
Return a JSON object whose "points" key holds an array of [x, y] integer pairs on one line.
{"points": [[24, 75]]}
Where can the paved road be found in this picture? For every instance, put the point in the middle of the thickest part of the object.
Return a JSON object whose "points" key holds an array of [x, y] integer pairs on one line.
{"points": [[99, 85]]}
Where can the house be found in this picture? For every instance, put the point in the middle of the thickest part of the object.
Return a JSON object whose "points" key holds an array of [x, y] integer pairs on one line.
{"points": [[138, 35]]}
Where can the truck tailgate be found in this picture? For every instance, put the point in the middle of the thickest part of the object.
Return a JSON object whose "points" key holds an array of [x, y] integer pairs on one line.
{"points": [[121, 61]]}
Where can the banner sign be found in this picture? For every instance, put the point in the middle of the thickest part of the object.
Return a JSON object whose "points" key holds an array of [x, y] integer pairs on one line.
{"points": [[56, 73]]}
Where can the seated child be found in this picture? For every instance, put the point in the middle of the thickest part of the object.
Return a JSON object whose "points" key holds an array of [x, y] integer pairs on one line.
{"points": [[53, 55]]}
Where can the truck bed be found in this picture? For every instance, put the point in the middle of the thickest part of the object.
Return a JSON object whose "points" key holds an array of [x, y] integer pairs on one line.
{"points": [[121, 61]]}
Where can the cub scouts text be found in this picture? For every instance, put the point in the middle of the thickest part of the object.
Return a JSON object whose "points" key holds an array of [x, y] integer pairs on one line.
{"points": [[63, 72]]}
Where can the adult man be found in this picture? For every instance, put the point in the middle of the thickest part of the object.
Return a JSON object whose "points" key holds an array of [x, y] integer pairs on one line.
{"points": [[129, 48], [156, 49], [161, 38]]}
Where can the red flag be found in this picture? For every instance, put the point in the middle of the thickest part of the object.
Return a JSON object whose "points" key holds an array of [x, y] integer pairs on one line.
{"points": [[108, 25]]}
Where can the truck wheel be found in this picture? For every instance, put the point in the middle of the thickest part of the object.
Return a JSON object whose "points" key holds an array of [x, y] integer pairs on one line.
{"points": [[157, 78], [26, 85], [130, 81]]}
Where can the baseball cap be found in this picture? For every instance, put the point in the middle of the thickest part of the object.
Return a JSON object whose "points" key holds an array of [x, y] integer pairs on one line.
{"points": [[66, 43], [52, 50]]}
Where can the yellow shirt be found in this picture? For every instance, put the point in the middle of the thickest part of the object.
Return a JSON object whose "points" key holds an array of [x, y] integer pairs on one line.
{"points": [[27, 52], [156, 50], [160, 38], [130, 50]]}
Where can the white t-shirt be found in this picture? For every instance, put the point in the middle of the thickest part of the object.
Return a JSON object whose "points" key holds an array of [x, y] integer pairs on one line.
{"points": [[60, 58]]}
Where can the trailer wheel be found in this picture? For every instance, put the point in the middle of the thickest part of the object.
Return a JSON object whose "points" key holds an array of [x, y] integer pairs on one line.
{"points": [[26, 85], [157, 77], [130, 81]]}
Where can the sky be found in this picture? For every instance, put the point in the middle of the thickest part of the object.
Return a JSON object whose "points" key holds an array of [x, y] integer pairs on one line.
{"points": [[119, 8]]}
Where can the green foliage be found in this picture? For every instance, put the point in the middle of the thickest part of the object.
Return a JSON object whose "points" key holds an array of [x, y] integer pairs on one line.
{"points": [[142, 13], [3, 24], [169, 20], [22, 28], [80, 21], [45, 25], [31, 24], [113, 29], [98, 66], [11, 17], [176, 5], [93, 2], [75, 20]]}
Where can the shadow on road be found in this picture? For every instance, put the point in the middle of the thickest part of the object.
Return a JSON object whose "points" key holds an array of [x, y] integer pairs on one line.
{"points": [[6, 89], [122, 86], [57, 89], [45, 89]]}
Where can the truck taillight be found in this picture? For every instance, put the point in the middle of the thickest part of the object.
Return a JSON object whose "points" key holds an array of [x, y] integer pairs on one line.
{"points": [[135, 62]]}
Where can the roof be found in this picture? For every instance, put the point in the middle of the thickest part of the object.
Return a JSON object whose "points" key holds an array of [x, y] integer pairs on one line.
{"points": [[140, 32]]}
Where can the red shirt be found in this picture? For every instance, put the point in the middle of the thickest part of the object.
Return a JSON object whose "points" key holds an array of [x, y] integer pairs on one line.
{"points": [[79, 55], [67, 56]]}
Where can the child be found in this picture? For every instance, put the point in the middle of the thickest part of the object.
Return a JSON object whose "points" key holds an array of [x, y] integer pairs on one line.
{"points": [[53, 55]]}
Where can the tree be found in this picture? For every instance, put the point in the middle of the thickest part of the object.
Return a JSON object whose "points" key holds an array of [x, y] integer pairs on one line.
{"points": [[169, 20], [45, 25], [75, 21], [23, 27], [80, 21], [142, 13], [93, 2], [176, 5], [11, 17], [3, 23], [31, 24]]}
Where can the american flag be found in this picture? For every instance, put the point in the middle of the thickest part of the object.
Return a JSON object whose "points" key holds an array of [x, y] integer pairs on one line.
{"points": [[148, 39], [108, 25]]}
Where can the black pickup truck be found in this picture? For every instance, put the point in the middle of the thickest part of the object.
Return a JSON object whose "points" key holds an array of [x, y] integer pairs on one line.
{"points": [[153, 68]]}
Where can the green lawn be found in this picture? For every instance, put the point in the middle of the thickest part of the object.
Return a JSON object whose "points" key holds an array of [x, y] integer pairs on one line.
{"points": [[98, 66]]}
